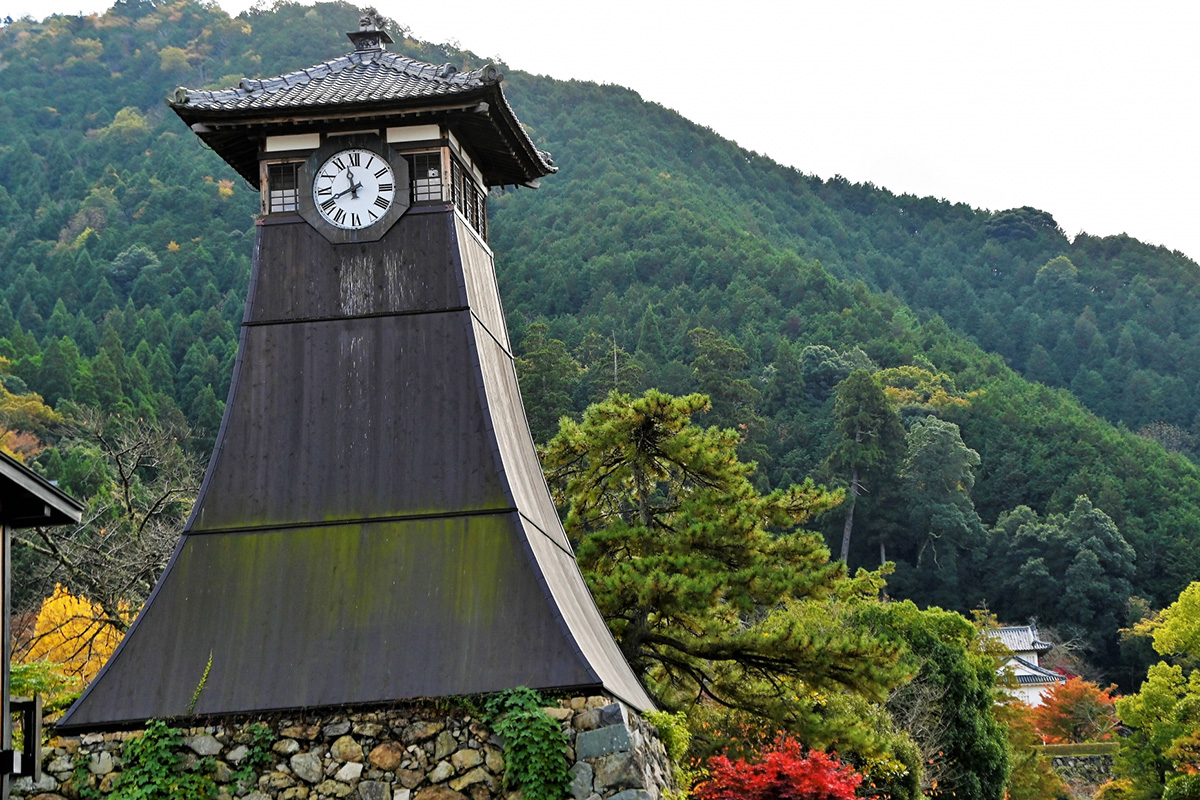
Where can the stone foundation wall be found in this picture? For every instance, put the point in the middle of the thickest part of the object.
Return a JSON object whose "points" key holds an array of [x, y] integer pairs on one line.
{"points": [[1083, 774], [413, 752]]}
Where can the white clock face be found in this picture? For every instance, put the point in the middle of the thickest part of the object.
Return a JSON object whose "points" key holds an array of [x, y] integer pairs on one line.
{"points": [[354, 188]]}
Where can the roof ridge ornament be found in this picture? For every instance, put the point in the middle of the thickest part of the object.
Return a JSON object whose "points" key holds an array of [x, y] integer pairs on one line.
{"points": [[370, 34]]}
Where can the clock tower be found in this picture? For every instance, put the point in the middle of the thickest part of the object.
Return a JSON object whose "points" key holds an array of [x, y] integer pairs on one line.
{"points": [[374, 525]]}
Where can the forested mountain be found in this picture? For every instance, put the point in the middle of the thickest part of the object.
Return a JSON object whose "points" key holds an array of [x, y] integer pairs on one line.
{"points": [[1007, 366]]}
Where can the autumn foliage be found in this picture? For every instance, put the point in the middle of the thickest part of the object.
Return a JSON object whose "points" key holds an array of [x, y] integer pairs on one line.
{"points": [[784, 773], [71, 632], [1076, 711]]}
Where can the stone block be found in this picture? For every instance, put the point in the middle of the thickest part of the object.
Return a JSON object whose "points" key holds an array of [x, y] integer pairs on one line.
{"points": [[307, 767], [306, 732], [350, 772], [439, 793], [335, 729], [619, 771], [444, 746], [464, 760], [100, 763], [286, 747], [346, 749], [402, 794], [222, 773], [632, 794], [559, 714], [236, 755], [203, 745], [294, 793], [332, 788], [587, 720], [274, 781], [27, 785], [613, 714], [387, 756], [61, 764], [374, 790], [409, 778], [602, 741], [420, 731], [369, 729], [494, 760], [581, 780], [441, 772], [477, 775]]}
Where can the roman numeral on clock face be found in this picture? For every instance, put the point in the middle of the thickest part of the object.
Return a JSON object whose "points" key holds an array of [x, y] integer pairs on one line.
{"points": [[379, 201], [355, 158], [328, 204], [382, 171], [339, 216], [387, 187]]}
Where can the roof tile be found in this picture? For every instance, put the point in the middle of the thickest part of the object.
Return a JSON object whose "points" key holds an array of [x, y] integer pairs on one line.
{"points": [[361, 76]]}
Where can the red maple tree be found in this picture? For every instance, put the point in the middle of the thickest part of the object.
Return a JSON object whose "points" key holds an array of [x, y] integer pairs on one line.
{"points": [[1076, 711], [785, 772]]}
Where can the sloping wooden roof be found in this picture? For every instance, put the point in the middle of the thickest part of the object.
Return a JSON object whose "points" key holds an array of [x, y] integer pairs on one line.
{"points": [[374, 525]]}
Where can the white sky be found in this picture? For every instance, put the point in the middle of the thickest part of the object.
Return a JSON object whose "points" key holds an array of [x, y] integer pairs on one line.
{"points": [[1084, 108]]}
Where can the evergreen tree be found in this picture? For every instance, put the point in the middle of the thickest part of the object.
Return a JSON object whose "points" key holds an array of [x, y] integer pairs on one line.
{"points": [[683, 557], [870, 442], [60, 361], [938, 473], [106, 381], [548, 376]]}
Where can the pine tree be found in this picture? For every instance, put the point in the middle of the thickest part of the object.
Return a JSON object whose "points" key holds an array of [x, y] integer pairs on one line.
{"points": [[685, 559]]}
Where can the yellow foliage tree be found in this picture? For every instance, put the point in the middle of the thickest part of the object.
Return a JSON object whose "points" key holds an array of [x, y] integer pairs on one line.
{"points": [[73, 633], [22, 417], [915, 388]]}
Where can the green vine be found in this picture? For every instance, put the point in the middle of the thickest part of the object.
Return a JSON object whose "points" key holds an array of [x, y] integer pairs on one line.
{"points": [[200, 686], [534, 744], [153, 770], [80, 779], [258, 752]]}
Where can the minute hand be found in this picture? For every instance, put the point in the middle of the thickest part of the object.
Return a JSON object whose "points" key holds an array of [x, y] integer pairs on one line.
{"points": [[354, 187]]}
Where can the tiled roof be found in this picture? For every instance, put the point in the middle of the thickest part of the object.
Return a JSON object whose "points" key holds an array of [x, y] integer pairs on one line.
{"points": [[1020, 638], [358, 77], [1039, 674]]}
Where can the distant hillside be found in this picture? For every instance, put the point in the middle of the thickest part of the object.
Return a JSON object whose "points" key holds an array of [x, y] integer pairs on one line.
{"points": [[660, 255]]}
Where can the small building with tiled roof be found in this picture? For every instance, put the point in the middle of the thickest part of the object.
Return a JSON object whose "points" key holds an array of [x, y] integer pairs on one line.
{"points": [[367, 85], [1033, 680]]}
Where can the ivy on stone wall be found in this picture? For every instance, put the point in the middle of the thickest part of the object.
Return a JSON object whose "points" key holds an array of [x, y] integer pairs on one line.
{"points": [[534, 745]]}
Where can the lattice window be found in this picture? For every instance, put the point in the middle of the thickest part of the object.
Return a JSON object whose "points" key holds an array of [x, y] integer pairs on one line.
{"points": [[469, 197], [426, 169], [283, 187]]}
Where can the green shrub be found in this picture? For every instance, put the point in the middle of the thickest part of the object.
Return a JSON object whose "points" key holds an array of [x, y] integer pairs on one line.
{"points": [[534, 744]]}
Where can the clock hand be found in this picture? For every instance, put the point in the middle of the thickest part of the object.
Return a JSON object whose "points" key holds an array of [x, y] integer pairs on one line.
{"points": [[354, 187]]}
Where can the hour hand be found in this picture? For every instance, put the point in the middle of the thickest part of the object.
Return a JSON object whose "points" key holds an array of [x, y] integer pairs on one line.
{"points": [[352, 189]]}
